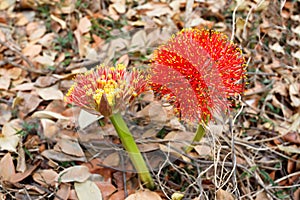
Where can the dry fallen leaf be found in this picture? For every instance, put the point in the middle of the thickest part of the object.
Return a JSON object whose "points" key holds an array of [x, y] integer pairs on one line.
{"points": [[21, 176], [138, 41], [63, 191], [47, 40], [60, 156], [277, 48], [50, 93], [48, 115], [120, 7], [87, 190], [4, 4], [262, 196], [4, 82], [29, 102], [60, 21], [47, 177], [50, 128], [289, 149], [45, 60], [292, 137], [14, 73], [8, 138], [35, 30], [21, 160], [77, 173], [84, 25], [294, 89], [70, 146], [106, 188], [85, 119], [7, 168], [224, 195], [23, 87], [179, 140], [32, 50], [145, 195], [112, 160], [5, 113]]}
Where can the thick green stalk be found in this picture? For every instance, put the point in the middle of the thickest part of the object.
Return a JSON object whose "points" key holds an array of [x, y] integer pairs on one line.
{"points": [[132, 149], [199, 135]]}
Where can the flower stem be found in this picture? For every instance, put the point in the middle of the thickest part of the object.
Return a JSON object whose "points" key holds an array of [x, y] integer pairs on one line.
{"points": [[132, 149], [199, 135]]}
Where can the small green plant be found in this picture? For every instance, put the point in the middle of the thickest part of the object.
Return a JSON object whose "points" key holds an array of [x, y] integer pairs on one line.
{"points": [[79, 4], [45, 14], [63, 42], [104, 27], [28, 128]]}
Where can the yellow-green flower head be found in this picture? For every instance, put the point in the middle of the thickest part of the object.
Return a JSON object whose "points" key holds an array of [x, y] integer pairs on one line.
{"points": [[105, 90]]}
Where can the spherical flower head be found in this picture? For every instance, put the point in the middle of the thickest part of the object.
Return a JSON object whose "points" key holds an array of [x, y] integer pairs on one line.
{"points": [[106, 90], [197, 71]]}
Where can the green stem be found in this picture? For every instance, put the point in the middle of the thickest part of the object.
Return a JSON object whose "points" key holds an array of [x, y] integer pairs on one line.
{"points": [[132, 149], [199, 135]]}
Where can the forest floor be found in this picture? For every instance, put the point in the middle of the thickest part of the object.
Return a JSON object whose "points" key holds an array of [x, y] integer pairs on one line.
{"points": [[51, 150]]}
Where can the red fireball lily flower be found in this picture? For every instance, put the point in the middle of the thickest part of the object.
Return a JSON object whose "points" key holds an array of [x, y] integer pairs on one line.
{"points": [[198, 70], [106, 90]]}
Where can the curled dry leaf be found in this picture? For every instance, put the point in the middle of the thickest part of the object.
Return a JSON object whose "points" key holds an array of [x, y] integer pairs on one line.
{"points": [[21, 176], [21, 160], [78, 173], [60, 21]]}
